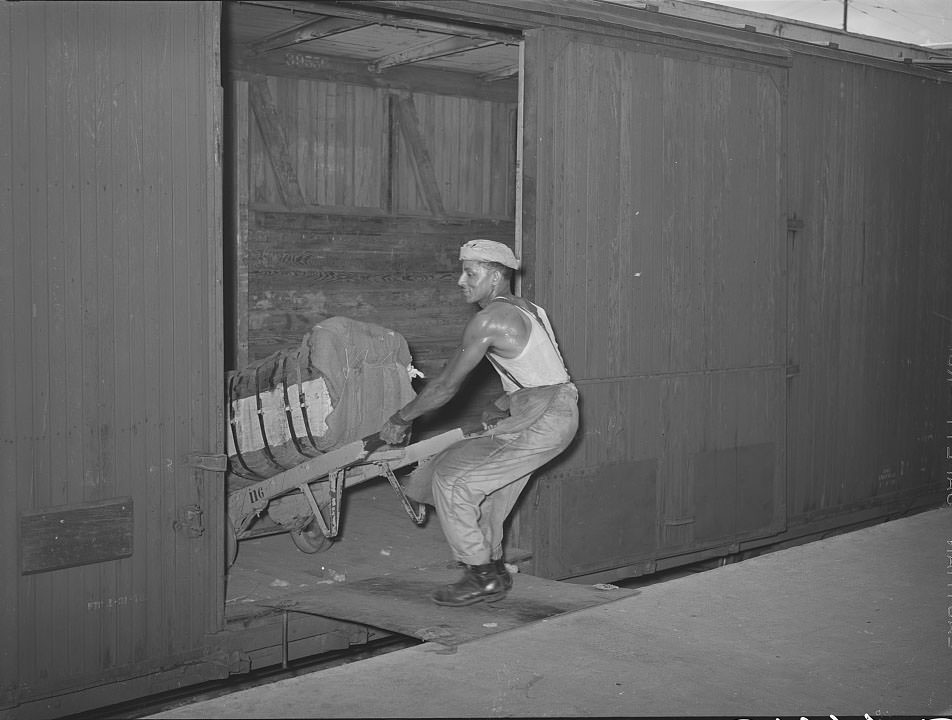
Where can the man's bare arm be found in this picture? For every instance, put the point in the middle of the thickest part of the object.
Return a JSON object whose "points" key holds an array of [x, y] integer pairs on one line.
{"points": [[477, 340]]}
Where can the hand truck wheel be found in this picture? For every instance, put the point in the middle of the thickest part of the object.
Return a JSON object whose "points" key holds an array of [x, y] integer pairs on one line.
{"points": [[309, 539]]}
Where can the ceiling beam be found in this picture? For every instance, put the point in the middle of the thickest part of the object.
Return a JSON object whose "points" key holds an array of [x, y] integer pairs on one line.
{"points": [[307, 31], [430, 51], [397, 20], [501, 74], [412, 78]]}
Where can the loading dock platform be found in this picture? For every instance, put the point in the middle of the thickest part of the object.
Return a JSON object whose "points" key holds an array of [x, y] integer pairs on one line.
{"points": [[854, 624]]}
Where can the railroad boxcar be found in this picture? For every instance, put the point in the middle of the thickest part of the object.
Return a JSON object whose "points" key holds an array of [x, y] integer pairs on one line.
{"points": [[740, 227]]}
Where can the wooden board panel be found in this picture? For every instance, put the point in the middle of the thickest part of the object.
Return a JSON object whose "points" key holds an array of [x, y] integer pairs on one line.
{"points": [[11, 385], [272, 125], [401, 602], [592, 519], [342, 148], [399, 274], [873, 261], [656, 245], [407, 119], [65, 537], [156, 234], [336, 134], [475, 176], [720, 413], [689, 257], [113, 254], [236, 229], [734, 491]]}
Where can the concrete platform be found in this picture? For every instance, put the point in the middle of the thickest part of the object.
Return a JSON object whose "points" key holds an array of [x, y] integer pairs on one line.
{"points": [[854, 624]]}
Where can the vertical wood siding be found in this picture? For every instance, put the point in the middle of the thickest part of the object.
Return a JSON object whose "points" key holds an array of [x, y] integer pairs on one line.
{"points": [[673, 184], [656, 195], [473, 149], [656, 243], [112, 360], [10, 454], [871, 303], [339, 140]]}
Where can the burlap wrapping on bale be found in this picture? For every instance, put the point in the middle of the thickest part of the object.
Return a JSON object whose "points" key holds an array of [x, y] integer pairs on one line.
{"points": [[354, 375], [367, 371]]}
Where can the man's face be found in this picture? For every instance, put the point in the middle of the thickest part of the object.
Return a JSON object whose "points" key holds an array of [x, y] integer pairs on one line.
{"points": [[476, 280]]}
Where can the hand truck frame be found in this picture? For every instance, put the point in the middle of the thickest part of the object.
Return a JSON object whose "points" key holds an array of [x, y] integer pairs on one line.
{"points": [[321, 480]]}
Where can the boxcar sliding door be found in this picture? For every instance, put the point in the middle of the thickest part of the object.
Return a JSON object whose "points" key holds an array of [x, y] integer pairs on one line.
{"points": [[111, 356], [654, 233]]}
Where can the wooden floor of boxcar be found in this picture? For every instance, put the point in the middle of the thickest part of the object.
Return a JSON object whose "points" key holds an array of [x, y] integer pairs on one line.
{"points": [[376, 537]]}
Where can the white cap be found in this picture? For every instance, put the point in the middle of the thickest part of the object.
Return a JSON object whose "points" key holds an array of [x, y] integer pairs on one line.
{"points": [[489, 251]]}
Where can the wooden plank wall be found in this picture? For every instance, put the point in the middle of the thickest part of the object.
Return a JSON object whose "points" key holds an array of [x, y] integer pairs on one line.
{"points": [[9, 457], [397, 272], [474, 154], [365, 241], [656, 242], [111, 360], [339, 136], [870, 171]]}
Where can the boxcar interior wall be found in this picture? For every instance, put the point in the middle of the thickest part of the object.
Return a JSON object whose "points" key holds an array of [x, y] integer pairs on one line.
{"points": [[354, 190]]}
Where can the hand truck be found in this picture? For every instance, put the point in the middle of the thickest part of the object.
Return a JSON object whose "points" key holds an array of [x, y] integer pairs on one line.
{"points": [[305, 500]]}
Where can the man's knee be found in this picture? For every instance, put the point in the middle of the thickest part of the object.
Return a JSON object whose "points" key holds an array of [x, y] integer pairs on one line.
{"points": [[453, 489], [441, 482], [447, 487]]}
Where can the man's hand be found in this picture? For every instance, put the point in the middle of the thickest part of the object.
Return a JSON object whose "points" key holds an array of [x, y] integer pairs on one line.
{"points": [[395, 430], [497, 411], [492, 415]]}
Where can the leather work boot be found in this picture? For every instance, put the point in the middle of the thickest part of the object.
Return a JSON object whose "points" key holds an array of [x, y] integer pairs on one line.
{"points": [[479, 582], [503, 574]]}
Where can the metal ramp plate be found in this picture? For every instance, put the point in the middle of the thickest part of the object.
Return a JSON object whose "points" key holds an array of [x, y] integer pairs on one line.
{"points": [[400, 602]]}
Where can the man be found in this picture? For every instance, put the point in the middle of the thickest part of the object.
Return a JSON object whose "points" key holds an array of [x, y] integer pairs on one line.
{"points": [[477, 481]]}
